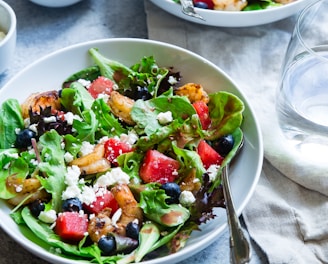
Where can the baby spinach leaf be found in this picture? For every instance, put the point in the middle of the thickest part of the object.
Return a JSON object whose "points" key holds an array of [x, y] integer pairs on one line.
{"points": [[145, 112], [226, 112], [45, 233], [189, 160], [10, 119], [19, 169], [155, 208]]}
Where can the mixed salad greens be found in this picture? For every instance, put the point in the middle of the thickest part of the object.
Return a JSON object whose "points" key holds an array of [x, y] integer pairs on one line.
{"points": [[119, 165], [247, 5]]}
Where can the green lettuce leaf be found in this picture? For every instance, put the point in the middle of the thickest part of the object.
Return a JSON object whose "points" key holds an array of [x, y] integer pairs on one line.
{"points": [[10, 119], [156, 209], [53, 165], [226, 112]]}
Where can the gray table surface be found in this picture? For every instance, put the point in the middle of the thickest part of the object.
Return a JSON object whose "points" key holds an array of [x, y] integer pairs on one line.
{"points": [[42, 30]]}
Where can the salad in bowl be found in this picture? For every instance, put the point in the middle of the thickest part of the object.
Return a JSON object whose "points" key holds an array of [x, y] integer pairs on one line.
{"points": [[121, 163]]}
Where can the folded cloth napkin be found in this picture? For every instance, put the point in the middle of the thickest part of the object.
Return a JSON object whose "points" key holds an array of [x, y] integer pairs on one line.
{"points": [[288, 214]]}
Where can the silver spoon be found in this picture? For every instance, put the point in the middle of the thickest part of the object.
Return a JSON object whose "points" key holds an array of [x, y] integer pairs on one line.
{"points": [[187, 7], [239, 246]]}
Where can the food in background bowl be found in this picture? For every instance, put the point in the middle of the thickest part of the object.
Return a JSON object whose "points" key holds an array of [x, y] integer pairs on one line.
{"points": [[7, 35], [2, 35], [233, 18], [166, 122], [238, 5]]}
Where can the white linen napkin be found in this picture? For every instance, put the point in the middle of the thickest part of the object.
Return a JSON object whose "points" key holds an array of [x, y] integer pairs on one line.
{"points": [[288, 213]]}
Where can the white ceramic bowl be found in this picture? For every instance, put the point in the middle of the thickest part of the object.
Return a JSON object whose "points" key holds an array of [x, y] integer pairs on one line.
{"points": [[55, 3], [235, 18], [49, 73], [8, 44]]}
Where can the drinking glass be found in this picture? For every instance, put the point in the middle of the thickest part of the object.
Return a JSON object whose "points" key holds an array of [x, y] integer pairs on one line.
{"points": [[302, 97]]}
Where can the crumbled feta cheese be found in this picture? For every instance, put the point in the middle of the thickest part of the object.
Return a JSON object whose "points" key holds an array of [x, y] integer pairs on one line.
{"points": [[17, 130], [68, 157], [165, 117], [212, 171], [129, 138], [86, 148], [34, 128], [49, 119], [103, 139], [48, 217], [34, 162], [69, 117], [116, 175], [172, 80], [71, 192], [88, 195], [72, 175], [85, 83], [11, 155], [103, 96], [187, 198]]}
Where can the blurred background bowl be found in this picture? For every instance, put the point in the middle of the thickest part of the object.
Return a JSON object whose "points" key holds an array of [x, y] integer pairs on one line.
{"points": [[55, 3], [235, 18], [8, 43]]}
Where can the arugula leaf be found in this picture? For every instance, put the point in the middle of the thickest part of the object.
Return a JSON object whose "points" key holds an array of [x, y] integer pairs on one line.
{"points": [[53, 164], [130, 163], [107, 66], [108, 123], [10, 119], [89, 73], [72, 144], [87, 128], [76, 98]]}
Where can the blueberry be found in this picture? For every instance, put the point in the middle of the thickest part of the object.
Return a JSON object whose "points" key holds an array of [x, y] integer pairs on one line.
{"points": [[173, 190], [201, 5], [23, 139], [139, 92], [107, 245], [132, 230], [223, 145], [36, 207], [72, 205]]}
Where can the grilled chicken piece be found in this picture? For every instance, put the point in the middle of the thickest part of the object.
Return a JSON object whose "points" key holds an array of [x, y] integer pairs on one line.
{"points": [[195, 92], [40, 100], [121, 106]]}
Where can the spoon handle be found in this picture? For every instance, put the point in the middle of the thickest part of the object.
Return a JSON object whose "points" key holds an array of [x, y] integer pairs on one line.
{"points": [[239, 246], [187, 7]]}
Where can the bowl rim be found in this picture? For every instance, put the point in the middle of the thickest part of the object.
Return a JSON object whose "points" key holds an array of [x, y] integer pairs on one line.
{"points": [[13, 23], [33, 247]]}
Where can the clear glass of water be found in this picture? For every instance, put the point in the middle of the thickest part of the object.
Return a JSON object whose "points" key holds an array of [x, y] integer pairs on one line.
{"points": [[302, 97]]}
